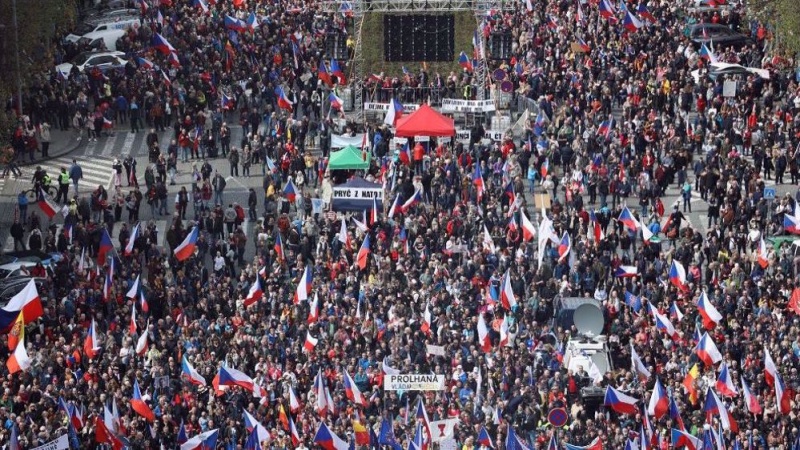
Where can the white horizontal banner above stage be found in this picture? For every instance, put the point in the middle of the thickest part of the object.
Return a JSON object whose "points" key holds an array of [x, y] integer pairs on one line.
{"points": [[383, 107], [451, 105], [342, 141]]}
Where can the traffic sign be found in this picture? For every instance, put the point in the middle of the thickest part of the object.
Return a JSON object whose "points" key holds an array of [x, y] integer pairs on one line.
{"points": [[557, 417], [769, 193]]}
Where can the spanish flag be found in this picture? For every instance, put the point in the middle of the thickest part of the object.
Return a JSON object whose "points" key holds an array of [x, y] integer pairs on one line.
{"points": [[688, 382], [17, 332], [361, 432], [19, 360]]}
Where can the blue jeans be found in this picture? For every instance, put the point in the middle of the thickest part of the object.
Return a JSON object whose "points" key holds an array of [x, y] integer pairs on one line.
{"points": [[218, 197]]}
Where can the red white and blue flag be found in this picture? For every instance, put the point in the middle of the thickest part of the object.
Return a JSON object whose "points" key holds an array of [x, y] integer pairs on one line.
{"points": [[620, 402]]}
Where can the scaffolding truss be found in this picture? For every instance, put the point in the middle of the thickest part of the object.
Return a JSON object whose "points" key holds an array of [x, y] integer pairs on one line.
{"points": [[359, 8]]}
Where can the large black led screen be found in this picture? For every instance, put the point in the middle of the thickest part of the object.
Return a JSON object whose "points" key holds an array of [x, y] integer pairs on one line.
{"points": [[418, 37]]}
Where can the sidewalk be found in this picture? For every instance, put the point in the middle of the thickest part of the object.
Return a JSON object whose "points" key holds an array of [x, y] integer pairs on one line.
{"points": [[61, 143]]}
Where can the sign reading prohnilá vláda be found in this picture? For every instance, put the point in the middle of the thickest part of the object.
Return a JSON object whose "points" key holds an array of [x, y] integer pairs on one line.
{"points": [[413, 382]]}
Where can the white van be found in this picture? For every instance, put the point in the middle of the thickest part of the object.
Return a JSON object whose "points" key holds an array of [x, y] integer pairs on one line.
{"points": [[107, 38], [120, 23]]}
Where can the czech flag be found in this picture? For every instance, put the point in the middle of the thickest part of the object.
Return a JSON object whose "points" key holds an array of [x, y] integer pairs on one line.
{"points": [[663, 323], [202, 5], [583, 45], [351, 390], [19, 361], [336, 102], [528, 230], [783, 399], [770, 369], [707, 351], [293, 431], [483, 335], [138, 404], [254, 294], [464, 61], [405, 154], [326, 439], [252, 21], [626, 272], [105, 247], [336, 70], [188, 246], [791, 223], [763, 255], [711, 317], [161, 44], [232, 377], [203, 441], [681, 438], [713, 405], [596, 444], [627, 219], [620, 402], [324, 74], [507, 298], [226, 103], [545, 168], [304, 286], [141, 343], [131, 240], [91, 346], [393, 114], [253, 425], [237, 25], [645, 13], [279, 247], [484, 438], [605, 126], [27, 302], [750, 400], [607, 11], [310, 343], [677, 275], [675, 313], [188, 371], [290, 191], [631, 22], [638, 366], [477, 180], [659, 402], [144, 62], [416, 198], [564, 246], [363, 254], [313, 310], [283, 101]]}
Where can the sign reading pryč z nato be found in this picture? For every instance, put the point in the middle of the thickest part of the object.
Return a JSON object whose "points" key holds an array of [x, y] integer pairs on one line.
{"points": [[413, 382]]}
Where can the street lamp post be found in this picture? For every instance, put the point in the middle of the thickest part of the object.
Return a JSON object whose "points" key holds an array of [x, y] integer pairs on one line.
{"points": [[16, 52]]}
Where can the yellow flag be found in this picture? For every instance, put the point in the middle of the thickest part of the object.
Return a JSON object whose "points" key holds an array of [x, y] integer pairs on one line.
{"points": [[17, 332]]}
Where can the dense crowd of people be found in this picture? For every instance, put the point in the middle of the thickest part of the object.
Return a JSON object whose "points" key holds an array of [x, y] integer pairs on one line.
{"points": [[435, 267]]}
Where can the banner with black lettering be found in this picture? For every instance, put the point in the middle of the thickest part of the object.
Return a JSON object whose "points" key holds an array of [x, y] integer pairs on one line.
{"points": [[62, 443], [357, 195]]}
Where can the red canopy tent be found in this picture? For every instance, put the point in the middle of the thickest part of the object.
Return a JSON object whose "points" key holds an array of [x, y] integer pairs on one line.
{"points": [[425, 121]]}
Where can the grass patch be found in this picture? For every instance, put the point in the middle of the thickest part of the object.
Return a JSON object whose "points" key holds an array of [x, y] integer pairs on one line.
{"points": [[372, 47]]}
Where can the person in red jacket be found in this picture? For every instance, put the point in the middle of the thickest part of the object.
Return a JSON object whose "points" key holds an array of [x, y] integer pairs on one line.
{"points": [[419, 154]]}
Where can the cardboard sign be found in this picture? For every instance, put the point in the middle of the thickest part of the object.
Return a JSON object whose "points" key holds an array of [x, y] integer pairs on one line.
{"points": [[437, 350]]}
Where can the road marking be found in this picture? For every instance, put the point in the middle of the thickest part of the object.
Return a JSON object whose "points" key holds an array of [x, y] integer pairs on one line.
{"points": [[127, 145], [109, 147], [90, 148]]}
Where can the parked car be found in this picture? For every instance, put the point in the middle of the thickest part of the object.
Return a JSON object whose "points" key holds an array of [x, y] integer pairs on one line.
{"points": [[13, 286], [90, 60], [113, 23], [706, 33], [105, 40]]}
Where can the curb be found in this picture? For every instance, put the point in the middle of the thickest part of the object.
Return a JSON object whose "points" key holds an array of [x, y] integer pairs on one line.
{"points": [[53, 155]]}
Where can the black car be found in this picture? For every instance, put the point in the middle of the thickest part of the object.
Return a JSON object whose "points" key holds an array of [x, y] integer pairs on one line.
{"points": [[14, 285], [714, 33]]}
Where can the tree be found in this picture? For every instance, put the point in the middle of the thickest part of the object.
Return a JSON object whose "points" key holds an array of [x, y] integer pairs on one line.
{"points": [[784, 16], [40, 22]]}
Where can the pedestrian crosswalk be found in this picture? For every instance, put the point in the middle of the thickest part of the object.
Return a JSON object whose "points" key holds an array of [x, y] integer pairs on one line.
{"points": [[96, 171]]}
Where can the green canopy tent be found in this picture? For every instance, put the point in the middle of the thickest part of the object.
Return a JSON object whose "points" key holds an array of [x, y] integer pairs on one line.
{"points": [[348, 158]]}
